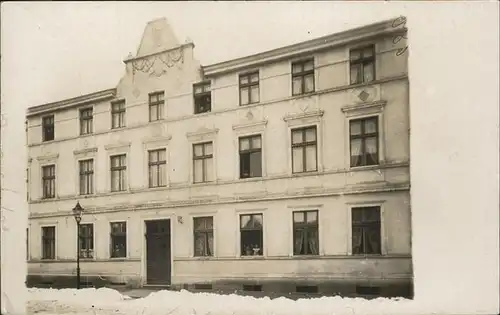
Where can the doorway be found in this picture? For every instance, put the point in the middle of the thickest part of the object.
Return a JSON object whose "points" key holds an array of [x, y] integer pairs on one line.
{"points": [[158, 252]]}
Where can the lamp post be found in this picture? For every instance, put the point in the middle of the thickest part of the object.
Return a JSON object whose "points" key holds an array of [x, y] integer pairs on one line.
{"points": [[77, 212]]}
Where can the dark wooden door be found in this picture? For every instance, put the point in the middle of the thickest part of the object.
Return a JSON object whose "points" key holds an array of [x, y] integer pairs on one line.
{"points": [[158, 252]]}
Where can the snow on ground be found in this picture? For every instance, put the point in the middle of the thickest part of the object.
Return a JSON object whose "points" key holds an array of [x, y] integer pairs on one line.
{"points": [[107, 301]]}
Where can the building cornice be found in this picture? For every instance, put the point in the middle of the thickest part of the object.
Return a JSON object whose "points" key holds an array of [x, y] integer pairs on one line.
{"points": [[72, 102], [338, 39]]}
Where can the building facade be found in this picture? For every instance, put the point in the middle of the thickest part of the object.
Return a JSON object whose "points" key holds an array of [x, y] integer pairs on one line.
{"points": [[284, 171]]}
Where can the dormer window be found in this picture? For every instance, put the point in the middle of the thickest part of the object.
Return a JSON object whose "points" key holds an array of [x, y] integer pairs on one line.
{"points": [[202, 98]]}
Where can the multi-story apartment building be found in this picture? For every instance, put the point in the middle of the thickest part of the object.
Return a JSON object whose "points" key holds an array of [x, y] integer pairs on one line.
{"points": [[284, 171]]}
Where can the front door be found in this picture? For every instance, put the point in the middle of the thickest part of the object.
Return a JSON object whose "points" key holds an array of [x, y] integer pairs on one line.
{"points": [[158, 252]]}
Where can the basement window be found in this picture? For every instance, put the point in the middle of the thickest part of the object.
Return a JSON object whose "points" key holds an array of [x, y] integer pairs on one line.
{"points": [[367, 290], [252, 287], [306, 289], [202, 286]]}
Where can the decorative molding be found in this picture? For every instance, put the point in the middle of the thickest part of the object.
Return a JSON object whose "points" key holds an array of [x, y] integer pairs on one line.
{"points": [[157, 64], [202, 134], [118, 147], [90, 152], [156, 142], [46, 158], [363, 108], [241, 210], [222, 200], [258, 126], [304, 118], [297, 207]]}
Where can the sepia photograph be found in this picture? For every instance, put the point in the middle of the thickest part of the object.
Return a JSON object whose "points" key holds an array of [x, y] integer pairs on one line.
{"points": [[235, 158]]}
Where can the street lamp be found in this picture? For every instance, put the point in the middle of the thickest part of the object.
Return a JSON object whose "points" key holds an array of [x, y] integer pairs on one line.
{"points": [[77, 212]]}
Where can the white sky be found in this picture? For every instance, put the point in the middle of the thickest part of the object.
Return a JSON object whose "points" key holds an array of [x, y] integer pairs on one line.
{"points": [[62, 50]]}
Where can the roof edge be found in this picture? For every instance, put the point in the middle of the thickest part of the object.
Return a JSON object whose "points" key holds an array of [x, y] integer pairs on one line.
{"points": [[339, 38], [71, 102]]}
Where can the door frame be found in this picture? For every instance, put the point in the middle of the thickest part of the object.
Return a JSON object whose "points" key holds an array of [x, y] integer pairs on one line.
{"points": [[144, 268]]}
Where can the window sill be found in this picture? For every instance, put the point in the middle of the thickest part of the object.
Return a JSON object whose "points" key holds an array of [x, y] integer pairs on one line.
{"points": [[308, 94], [366, 167], [119, 259], [261, 257], [300, 257], [251, 179], [203, 258], [86, 135], [307, 173], [48, 141]]}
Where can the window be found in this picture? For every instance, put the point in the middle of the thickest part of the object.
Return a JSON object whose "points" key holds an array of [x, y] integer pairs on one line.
{"points": [[118, 172], [86, 120], [86, 240], [48, 128], [203, 162], [364, 141], [203, 236], [118, 114], [362, 64], [86, 177], [251, 230], [48, 242], [304, 150], [249, 88], [366, 230], [157, 164], [250, 156], [305, 233], [118, 239], [202, 98], [303, 77], [156, 101], [49, 181]]}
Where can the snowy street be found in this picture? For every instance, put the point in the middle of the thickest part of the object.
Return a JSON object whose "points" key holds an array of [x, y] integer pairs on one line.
{"points": [[107, 301]]}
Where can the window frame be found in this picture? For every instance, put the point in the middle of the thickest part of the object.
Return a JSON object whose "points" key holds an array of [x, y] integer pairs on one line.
{"points": [[52, 239], [159, 104], [121, 169], [51, 125], [203, 157], [249, 85], [157, 165], [121, 112], [79, 236], [206, 232], [362, 136], [86, 120], [302, 74], [48, 178], [301, 226], [362, 61], [204, 93], [239, 232], [383, 235], [90, 174], [118, 234], [304, 145], [249, 152]]}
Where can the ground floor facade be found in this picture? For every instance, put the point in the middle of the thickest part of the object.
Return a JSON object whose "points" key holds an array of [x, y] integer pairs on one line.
{"points": [[345, 244]]}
